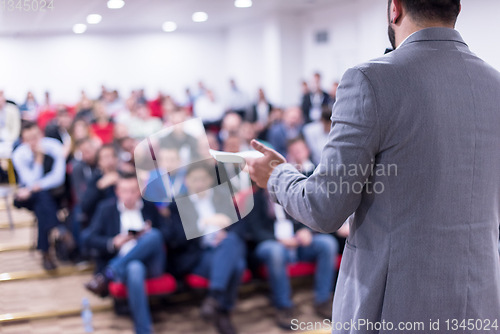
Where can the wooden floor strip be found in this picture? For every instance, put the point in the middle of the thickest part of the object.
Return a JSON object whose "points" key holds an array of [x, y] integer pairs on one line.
{"points": [[15, 247], [41, 274], [27, 316], [17, 224]]}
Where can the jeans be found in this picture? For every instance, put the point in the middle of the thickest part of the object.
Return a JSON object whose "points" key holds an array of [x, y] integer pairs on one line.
{"points": [[275, 256], [224, 266], [45, 208], [146, 259]]}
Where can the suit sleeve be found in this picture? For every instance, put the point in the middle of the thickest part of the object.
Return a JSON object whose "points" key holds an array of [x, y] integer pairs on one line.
{"points": [[96, 235], [334, 191], [91, 197], [158, 221]]}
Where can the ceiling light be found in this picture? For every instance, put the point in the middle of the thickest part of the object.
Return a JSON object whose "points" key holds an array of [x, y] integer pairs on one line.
{"points": [[79, 28], [94, 18], [169, 26], [116, 4], [243, 3], [200, 17]]}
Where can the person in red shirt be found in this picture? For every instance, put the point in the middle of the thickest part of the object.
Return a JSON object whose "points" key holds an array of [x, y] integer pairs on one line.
{"points": [[102, 127]]}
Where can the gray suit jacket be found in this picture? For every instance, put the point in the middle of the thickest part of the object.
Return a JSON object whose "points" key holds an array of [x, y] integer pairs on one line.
{"points": [[424, 238]]}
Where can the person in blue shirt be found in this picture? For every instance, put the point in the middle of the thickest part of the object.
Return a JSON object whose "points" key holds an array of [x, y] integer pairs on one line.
{"points": [[41, 166]]}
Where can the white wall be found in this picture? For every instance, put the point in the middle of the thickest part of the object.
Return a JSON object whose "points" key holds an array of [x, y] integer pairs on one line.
{"points": [[358, 33], [65, 65], [274, 53]]}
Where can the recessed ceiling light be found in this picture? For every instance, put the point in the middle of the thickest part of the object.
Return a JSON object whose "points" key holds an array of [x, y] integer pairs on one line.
{"points": [[169, 26], [116, 4], [200, 17], [79, 28], [243, 3], [94, 18]]}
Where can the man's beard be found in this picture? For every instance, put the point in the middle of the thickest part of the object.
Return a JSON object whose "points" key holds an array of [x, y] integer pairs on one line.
{"points": [[392, 36]]}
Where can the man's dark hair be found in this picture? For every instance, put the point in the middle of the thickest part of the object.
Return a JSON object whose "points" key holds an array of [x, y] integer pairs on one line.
{"points": [[326, 113], [127, 175], [107, 147], [27, 125], [82, 141], [209, 169], [432, 10], [62, 110], [298, 139]]}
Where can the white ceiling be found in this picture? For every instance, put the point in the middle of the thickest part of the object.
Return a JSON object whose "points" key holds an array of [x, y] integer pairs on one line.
{"points": [[142, 15]]}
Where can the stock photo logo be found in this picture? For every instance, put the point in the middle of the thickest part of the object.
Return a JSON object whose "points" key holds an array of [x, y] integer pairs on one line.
{"points": [[212, 190]]}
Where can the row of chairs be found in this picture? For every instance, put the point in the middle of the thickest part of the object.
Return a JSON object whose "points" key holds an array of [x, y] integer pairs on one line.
{"points": [[167, 285]]}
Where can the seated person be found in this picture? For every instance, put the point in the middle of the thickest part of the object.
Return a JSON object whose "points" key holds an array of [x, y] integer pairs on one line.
{"points": [[217, 256], [281, 241], [316, 134], [102, 127], [298, 154], [142, 124], [170, 173], [58, 129], [179, 139], [102, 183], [289, 128], [41, 167], [126, 234], [81, 174]]}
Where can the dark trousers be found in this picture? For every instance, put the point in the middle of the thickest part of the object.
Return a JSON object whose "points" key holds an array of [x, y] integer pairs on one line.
{"points": [[224, 266], [45, 208]]}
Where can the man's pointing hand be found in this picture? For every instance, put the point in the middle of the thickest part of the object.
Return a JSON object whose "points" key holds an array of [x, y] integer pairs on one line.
{"points": [[262, 168]]}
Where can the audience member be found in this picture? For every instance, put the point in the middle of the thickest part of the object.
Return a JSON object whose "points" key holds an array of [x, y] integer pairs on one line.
{"points": [[260, 112], [312, 102], [127, 237], [125, 147], [218, 256], [84, 109], [316, 134], [102, 183], [142, 124], [29, 109], [237, 100], [46, 112], [333, 95], [40, 165], [102, 126], [168, 106], [114, 104], [167, 182], [231, 124], [298, 155], [82, 171], [280, 241], [58, 129], [179, 139], [209, 110], [280, 133], [156, 105]]}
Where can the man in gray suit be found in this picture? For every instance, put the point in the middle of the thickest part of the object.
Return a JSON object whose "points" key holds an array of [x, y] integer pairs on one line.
{"points": [[424, 238]]}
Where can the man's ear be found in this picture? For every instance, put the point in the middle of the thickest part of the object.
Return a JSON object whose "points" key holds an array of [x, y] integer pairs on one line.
{"points": [[396, 11]]}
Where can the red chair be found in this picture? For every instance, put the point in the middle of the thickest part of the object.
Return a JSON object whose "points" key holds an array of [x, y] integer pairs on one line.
{"points": [[198, 282], [300, 269], [163, 285]]}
